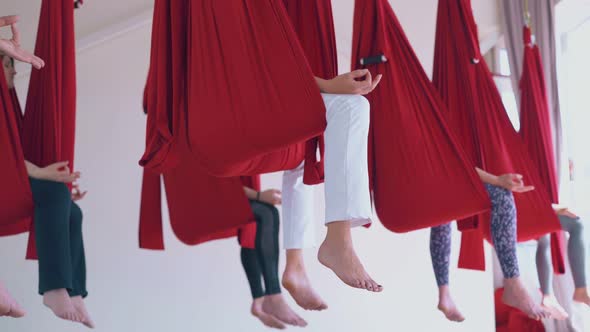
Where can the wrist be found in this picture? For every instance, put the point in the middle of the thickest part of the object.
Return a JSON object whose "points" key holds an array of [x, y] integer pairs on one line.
{"points": [[323, 84], [258, 196]]}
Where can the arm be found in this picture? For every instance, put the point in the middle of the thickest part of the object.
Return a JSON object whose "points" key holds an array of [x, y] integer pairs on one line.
{"points": [[358, 82], [251, 193], [512, 182], [270, 196], [487, 177], [58, 172]]}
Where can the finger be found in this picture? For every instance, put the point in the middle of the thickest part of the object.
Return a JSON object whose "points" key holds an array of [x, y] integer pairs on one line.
{"points": [[15, 33], [359, 73], [376, 81], [525, 189], [60, 164], [517, 176], [7, 20]]}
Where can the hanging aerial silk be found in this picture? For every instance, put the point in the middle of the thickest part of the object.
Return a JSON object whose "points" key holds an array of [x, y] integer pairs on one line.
{"points": [[18, 112], [190, 204], [50, 112], [420, 176], [237, 76], [477, 116], [535, 130], [314, 24], [17, 202]]}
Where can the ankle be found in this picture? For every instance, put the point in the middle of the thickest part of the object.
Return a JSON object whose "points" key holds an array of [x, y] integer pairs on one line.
{"points": [[444, 292], [338, 231]]}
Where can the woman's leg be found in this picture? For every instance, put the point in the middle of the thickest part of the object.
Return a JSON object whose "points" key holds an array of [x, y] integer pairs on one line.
{"points": [[253, 271], [299, 233], [440, 253], [348, 202], [545, 274], [576, 250], [52, 237], [544, 268], [503, 229], [78, 291], [267, 251]]}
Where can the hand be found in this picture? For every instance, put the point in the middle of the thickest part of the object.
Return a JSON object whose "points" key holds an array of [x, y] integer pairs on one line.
{"points": [[347, 84], [271, 196], [12, 48], [58, 172], [513, 182], [564, 211], [76, 193]]}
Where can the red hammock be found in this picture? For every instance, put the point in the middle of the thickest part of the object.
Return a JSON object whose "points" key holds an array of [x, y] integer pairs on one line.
{"points": [[17, 203], [419, 175], [477, 116], [535, 130], [50, 112], [190, 203], [237, 70], [18, 112]]}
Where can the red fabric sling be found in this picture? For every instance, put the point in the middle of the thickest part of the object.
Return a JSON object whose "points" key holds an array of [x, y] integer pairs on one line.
{"points": [[535, 130], [419, 174], [318, 41], [50, 112], [238, 70], [18, 112], [17, 202], [477, 115], [314, 24]]}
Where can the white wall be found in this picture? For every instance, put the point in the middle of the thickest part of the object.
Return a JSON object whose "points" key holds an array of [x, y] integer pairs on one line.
{"points": [[187, 288]]}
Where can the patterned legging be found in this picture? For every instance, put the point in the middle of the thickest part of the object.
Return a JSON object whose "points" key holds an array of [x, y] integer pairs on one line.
{"points": [[503, 229]]}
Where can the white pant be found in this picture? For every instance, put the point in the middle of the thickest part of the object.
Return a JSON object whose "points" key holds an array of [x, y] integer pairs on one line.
{"points": [[346, 174]]}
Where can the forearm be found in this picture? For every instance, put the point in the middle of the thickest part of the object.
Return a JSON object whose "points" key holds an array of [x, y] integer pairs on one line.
{"points": [[32, 169], [487, 177], [322, 84], [251, 193]]}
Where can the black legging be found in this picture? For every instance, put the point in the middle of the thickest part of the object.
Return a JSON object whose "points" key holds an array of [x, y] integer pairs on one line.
{"points": [[264, 260], [58, 236]]}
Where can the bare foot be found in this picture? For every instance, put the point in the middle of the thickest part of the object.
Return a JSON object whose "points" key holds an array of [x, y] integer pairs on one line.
{"points": [[581, 296], [60, 303], [337, 254], [276, 306], [296, 282], [552, 306], [265, 318], [516, 296], [8, 305], [80, 306], [447, 305]]}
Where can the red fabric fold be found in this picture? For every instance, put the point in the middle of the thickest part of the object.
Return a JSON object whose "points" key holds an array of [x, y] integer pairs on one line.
{"points": [[50, 112], [535, 130], [166, 135], [419, 174], [253, 46], [313, 23], [477, 116], [17, 202]]}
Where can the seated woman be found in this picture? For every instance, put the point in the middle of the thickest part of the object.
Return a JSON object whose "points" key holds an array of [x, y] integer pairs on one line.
{"points": [[10, 48], [503, 230], [348, 202], [58, 236], [268, 303], [576, 251]]}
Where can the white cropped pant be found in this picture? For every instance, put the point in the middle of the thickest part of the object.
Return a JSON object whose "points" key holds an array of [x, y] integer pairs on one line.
{"points": [[346, 174]]}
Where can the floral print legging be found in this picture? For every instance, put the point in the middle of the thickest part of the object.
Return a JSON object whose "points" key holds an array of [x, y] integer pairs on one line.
{"points": [[503, 230]]}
